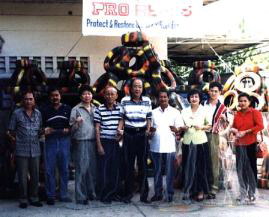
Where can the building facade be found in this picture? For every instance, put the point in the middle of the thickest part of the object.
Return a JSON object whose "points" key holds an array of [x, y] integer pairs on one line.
{"points": [[50, 32]]}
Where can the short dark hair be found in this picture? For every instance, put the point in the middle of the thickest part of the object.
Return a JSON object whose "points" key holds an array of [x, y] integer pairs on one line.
{"points": [[27, 92], [215, 84], [52, 89], [163, 90], [245, 95], [193, 92], [135, 79], [84, 88], [132, 83]]}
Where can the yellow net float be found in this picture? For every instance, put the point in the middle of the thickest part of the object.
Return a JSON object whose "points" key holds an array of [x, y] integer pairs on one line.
{"points": [[134, 39], [107, 79], [163, 78], [204, 64], [230, 99], [141, 65], [206, 87], [237, 70], [96, 102], [152, 56], [16, 89], [117, 60], [229, 83]]}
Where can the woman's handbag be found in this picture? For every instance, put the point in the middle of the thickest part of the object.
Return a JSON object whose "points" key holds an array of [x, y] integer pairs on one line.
{"points": [[262, 149]]}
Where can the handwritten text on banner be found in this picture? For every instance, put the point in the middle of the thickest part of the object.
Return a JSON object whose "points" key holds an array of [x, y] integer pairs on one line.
{"points": [[154, 17]]}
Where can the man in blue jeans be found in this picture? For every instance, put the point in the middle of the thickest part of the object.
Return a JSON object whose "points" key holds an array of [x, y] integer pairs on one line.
{"points": [[57, 145], [166, 121]]}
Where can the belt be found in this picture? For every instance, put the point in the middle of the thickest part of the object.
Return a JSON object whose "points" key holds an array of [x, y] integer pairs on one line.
{"points": [[135, 129]]}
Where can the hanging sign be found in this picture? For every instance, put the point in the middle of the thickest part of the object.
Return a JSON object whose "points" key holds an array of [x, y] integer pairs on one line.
{"points": [[155, 18]]}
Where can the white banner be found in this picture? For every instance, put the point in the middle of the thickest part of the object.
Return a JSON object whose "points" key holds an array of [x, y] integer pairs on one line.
{"points": [[171, 18], [237, 20]]}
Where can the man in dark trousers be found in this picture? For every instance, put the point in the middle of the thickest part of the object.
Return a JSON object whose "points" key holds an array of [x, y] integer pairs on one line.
{"points": [[136, 119], [25, 128], [106, 120], [57, 145]]}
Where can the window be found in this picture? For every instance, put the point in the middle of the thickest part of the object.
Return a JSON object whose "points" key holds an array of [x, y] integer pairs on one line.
{"points": [[2, 65], [49, 64]]}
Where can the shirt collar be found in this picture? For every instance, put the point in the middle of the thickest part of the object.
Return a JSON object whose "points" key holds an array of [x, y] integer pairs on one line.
{"points": [[24, 111], [164, 109], [52, 107], [80, 105], [199, 108], [249, 110], [34, 109], [114, 105], [207, 102], [132, 99]]}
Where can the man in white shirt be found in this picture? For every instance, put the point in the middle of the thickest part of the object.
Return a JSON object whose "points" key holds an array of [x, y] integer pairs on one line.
{"points": [[166, 122]]}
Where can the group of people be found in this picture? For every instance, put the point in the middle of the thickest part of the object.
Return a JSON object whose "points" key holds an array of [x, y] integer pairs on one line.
{"points": [[103, 166]]}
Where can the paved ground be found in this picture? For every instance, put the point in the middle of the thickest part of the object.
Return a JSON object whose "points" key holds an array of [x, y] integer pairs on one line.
{"points": [[223, 206]]}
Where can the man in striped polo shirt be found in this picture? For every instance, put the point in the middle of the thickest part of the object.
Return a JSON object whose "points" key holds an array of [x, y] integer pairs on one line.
{"points": [[136, 118], [106, 119]]}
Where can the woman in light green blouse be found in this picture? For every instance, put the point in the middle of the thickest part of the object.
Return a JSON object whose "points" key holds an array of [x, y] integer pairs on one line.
{"points": [[195, 152]]}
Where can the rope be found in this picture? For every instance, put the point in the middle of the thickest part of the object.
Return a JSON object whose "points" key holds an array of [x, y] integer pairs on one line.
{"points": [[215, 52], [74, 45], [70, 50]]}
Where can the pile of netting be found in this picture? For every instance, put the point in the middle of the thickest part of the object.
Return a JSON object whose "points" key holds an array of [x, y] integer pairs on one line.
{"points": [[136, 57]]}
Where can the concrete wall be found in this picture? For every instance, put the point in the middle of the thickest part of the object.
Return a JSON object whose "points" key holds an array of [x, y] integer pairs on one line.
{"points": [[55, 30]]}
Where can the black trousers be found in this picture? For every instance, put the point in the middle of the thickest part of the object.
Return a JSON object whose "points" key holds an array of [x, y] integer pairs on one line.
{"points": [[135, 147], [246, 166], [27, 165], [195, 169], [108, 169]]}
